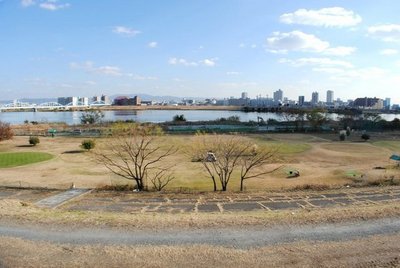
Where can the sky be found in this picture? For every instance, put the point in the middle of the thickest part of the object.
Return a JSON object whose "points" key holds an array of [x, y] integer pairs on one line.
{"points": [[200, 48]]}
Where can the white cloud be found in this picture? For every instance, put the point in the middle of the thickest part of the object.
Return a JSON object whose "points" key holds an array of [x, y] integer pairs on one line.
{"points": [[328, 70], [185, 62], [108, 70], [340, 51], [27, 3], [176, 61], [386, 32], [282, 43], [90, 67], [327, 17], [125, 31], [233, 73], [52, 5], [297, 41], [321, 62], [389, 52], [140, 77], [90, 83], [208, 62], [152, 44], [363, 74]]}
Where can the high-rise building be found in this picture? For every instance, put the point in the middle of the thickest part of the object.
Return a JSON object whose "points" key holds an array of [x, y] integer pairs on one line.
{"points": [[84, 101], [329, 96], [278, 95], [301, 101], [387, 103], [68, 101], [96, 98], [314, 98], [106, 99], [244, 95]]}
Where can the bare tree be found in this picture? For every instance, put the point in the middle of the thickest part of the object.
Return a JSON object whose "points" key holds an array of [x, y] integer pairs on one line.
{"points": [[220, 156], [137, 156], [161, 179], [256, 159], [6, 132]]}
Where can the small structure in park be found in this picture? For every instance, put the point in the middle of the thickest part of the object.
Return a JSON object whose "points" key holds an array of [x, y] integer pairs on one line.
{"points": [[292, 173], [211, 157], [396, 158]]}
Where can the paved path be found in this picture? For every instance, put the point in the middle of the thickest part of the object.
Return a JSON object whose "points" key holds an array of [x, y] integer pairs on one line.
{"points": [[28, 195], [59, 199], [232, 237], [219, 202], [231, 202]]}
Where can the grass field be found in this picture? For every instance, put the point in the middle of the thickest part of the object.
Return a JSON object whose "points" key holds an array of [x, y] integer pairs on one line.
{"points": [[391, 145], [22, 158], [320, 162]]}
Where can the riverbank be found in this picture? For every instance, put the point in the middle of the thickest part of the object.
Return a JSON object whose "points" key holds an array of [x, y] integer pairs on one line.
{"points": [[127, 108], [172, 107]]}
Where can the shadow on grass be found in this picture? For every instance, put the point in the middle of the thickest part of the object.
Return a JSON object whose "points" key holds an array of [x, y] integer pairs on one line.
{"points": [[25, 146], [74, 152]]}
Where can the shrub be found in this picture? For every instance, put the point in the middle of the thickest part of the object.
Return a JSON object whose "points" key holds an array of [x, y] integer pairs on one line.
{"points": [[6, 132], [365, 136], [33, 140], [91, 117], [342, 136], [179, 118], [88, 144], [348, 131]]}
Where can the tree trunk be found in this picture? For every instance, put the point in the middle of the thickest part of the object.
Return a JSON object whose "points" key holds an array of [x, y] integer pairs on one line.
{"points": [[214, 184], [224, 186], [139, 184], [241, 184]]}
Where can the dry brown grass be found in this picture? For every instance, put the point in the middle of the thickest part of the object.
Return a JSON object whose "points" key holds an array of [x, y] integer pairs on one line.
{"points": [[377, 251], [325, 164], [14, 210]]}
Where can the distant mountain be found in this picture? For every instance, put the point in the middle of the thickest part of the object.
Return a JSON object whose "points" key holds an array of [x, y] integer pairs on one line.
{"points": [[36, 101], [148, 97]]}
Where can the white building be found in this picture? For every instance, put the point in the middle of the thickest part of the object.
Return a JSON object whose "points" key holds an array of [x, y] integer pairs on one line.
{"points": [[278, 95], [329, 96], [315, 98]]}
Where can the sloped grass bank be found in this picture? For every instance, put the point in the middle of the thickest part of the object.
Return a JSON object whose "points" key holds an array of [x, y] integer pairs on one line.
{"points": [[8, 160]]}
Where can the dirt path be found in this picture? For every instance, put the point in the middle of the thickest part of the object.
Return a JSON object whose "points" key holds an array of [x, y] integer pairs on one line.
{"points": [[233, 237]]}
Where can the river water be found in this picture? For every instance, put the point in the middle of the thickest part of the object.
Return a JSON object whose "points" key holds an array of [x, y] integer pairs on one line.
{"points": [[154, 116]]}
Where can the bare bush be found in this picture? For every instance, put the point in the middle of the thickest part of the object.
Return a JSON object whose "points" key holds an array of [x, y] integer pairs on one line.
{"points": [[136, 157], [6, 132], [223, 155]]}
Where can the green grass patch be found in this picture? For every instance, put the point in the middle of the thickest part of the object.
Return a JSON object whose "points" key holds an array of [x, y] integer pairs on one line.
{"points": [[285, 147], [290, 148], [392, 145], [22, 158]]}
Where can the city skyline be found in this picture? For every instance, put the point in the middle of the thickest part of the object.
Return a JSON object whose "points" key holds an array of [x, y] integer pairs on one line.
{"points": [[200, 49]]}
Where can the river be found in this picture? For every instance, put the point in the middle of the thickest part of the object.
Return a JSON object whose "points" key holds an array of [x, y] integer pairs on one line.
{"points": [[154, 116]]}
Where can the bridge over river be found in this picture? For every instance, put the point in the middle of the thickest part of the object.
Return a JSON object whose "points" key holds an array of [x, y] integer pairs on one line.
{"points": [[51, 106]]}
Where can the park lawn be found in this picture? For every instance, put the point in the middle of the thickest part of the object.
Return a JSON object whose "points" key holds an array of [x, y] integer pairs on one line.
{"points": [[391, 145], [22, 158], [289, 148]]}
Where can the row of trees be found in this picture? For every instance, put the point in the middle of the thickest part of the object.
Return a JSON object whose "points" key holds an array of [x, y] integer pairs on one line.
{"points": [[135, 154], [222, 156]]}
